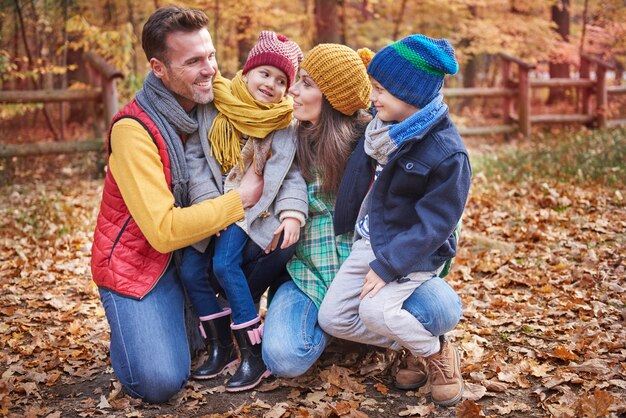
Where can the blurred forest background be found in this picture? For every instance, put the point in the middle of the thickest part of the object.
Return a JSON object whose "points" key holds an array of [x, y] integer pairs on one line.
{"points": [[540, 270], [42, 41]]}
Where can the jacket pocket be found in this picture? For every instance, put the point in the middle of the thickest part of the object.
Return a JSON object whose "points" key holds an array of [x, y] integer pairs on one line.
{"points": [[119, 236], [410, 177]]}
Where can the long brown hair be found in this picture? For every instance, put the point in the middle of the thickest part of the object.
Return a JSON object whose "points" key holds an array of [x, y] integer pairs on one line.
{"points": [[324, 147]]}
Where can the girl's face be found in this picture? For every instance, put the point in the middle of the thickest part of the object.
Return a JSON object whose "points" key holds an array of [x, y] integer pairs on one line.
{"points": [[307, 99], [266, 83], [389, 107]]}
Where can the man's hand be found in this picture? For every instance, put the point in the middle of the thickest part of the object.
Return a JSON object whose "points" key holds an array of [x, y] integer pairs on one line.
{"points": [[291, 229], [251, 188], [372, 284]]}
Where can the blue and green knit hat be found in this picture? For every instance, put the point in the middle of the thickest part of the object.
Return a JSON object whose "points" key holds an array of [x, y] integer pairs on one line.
{"points": [[412, 69]]}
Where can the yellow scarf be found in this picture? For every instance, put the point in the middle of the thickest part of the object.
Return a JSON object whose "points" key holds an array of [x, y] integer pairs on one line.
{"points": [[240, 114]]}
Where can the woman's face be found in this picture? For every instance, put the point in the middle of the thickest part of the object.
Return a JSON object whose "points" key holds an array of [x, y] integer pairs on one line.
{"points": [[307, 99]]}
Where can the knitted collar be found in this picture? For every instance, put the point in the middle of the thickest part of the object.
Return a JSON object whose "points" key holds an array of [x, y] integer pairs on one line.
{"points": [[240, 114], [384, 138]]}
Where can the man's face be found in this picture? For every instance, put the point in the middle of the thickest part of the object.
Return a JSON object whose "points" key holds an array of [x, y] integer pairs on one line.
{"points": [[190, 68]]}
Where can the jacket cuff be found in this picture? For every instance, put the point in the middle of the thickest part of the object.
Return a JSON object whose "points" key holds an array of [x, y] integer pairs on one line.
{"points": [[383, 272], [292, 214]]}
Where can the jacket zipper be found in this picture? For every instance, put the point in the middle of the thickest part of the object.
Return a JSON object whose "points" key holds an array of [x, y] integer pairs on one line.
{"points": [[117, 239], [160, 276]]}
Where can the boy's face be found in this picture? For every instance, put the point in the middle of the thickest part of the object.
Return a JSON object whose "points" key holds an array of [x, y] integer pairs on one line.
{"points": [[389, 107], [266, 83]]}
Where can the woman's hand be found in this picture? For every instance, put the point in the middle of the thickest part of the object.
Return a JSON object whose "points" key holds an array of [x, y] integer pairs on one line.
{"points": [[291, 229], [372, 284]]}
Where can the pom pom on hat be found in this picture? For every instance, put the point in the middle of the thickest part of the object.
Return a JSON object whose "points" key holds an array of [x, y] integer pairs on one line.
{"points": [[275, 50], [366, 55], [340, 74], [413, 68]]}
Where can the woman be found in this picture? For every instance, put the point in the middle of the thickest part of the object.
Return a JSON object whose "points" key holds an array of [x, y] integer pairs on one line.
{"points": [[330, 101]]}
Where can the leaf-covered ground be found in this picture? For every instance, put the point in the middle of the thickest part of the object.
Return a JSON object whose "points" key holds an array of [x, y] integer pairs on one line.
{"points": [[541, 272]]}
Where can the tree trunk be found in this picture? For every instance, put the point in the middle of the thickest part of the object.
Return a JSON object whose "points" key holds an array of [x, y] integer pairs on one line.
{"points": [[398, 21], [216, 21], [133, 24], [344, 23], [584, 25], [561, 16], [244, 44], [64, 107], [326, 22], [29, 56]]}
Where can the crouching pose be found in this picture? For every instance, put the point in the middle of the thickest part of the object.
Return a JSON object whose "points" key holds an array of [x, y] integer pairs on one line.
{"points": [[413, 172]]}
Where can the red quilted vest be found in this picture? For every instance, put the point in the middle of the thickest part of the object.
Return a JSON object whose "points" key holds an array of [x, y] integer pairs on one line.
{"points": [[122, 260]]}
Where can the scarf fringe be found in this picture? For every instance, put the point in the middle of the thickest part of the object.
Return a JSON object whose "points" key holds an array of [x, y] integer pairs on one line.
{"points": [[225, 143]]}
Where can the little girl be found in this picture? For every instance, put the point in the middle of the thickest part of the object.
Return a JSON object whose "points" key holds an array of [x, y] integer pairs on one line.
{"points": [[253, 127]]}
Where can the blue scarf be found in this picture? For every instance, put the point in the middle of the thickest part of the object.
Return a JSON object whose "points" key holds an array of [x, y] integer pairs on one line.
{"points": [[384, 138]]}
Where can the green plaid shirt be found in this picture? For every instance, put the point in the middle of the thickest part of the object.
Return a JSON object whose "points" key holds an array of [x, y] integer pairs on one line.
{"points": [[319, 253]]}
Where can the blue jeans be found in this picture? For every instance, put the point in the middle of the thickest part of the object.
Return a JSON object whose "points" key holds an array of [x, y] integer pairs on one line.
{"points": [[227, 267], [194, 273], [149, 349], [149, 346], [293, 339]]}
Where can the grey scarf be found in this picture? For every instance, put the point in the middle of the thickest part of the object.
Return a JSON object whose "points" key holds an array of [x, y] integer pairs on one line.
{"points": [[382, 138], [172, 121]]}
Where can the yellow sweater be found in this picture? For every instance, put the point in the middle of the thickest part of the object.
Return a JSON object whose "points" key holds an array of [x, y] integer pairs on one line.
{"points": [[136, 167]]}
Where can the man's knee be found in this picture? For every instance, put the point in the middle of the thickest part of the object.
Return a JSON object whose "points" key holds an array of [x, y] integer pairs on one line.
{"points": [[157, 385]]}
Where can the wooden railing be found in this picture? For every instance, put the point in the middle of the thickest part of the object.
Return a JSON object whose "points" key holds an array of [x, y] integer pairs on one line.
{"points": [[518, 91], [515, 93], [102, 90]]}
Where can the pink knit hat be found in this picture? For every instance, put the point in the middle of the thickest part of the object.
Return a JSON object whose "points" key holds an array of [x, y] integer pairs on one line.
{"points": [[275, 50]]}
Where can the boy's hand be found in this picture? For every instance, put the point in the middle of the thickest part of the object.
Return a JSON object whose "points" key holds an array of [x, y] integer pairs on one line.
{"points": [[372, 284], [291, 229]]}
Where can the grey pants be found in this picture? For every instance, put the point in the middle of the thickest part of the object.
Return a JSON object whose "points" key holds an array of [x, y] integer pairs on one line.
{"points": [[378, 320]]}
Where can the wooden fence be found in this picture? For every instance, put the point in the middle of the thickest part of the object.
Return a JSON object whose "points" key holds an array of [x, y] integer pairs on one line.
{"points": [[102, 90], [518, 91], [515, 93]]}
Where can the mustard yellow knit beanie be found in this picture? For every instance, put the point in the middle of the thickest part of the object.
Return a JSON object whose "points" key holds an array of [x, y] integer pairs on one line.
{"points": [[340, 73]]}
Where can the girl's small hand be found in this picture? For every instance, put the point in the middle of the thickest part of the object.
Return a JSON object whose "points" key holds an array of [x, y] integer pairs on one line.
{"points": [[217, 234], [371, 285], [291, 228], [291, 232]]}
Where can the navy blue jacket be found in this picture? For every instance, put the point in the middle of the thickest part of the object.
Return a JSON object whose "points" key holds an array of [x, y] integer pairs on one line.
{"points": [[416, 202]]}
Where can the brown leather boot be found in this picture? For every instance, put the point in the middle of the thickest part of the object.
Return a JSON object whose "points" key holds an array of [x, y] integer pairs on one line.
{"points": [[414, 375], [446, 382]]}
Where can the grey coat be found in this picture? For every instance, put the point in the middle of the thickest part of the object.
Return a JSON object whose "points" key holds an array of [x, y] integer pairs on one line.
{"points": [[284, 187]]}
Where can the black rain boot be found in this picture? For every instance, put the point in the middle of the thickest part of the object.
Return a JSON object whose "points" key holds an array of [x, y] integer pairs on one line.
{"points": [[251, 368], [219, 345]]}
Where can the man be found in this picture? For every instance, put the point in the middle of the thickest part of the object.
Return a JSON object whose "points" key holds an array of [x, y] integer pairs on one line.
{"points": [[145, 219]]}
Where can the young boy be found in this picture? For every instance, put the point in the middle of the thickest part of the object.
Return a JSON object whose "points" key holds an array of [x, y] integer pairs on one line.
{"points": [[413, 198], [253, 127]]}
